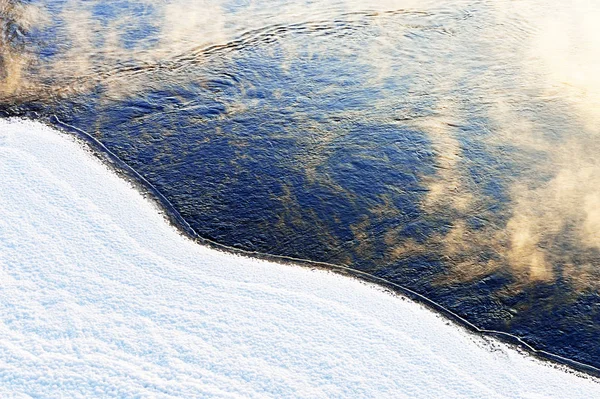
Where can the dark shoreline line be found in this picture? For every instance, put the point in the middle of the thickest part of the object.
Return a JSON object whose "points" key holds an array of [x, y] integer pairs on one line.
{"points": [[173, 216]]}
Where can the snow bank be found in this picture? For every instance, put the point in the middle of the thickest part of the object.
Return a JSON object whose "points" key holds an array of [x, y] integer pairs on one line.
{"points": [[100, 297]]}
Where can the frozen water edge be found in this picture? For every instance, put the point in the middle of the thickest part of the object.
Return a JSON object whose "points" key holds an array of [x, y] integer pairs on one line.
{"points": [[101, 297]]}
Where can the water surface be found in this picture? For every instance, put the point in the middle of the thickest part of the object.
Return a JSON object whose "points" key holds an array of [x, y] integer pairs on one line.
{"points": [[447, 146]]}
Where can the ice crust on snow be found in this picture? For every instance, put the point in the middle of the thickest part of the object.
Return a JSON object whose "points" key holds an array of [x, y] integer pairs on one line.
{"points": [[100, 297]]}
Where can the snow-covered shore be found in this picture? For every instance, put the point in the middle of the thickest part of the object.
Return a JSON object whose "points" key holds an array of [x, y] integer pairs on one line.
{"points": [[100, 297]]}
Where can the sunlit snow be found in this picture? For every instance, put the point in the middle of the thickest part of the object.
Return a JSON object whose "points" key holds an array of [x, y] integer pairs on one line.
{"points": [[100, 297]]}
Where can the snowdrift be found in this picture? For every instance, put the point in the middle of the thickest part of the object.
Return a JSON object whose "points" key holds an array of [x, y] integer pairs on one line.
{"points": [[100, 297]]}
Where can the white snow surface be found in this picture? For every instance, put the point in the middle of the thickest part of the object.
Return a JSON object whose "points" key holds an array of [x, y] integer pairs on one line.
{"points": [[100, 297]]}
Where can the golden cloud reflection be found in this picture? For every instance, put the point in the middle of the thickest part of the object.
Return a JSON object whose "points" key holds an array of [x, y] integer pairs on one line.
{"points": [[529, 56], [565, 50], [16, 19], [553, 224], [92, 50]]}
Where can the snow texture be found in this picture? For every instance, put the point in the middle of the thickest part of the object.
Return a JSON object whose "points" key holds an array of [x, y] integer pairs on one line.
{"points": [[100, 297]]}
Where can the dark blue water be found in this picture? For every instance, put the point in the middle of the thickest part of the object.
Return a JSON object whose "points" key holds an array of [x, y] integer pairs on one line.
{"points": [[416, 143]]}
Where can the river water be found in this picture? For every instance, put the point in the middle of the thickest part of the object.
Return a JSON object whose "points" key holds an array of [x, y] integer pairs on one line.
{"points": [[447, 146]]}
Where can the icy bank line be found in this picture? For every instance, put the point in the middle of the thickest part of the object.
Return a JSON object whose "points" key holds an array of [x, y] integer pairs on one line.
{"points": [[179, 222]]}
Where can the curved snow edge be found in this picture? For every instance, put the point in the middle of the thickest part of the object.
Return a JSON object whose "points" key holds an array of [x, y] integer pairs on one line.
{"points": [[176, 220]]}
